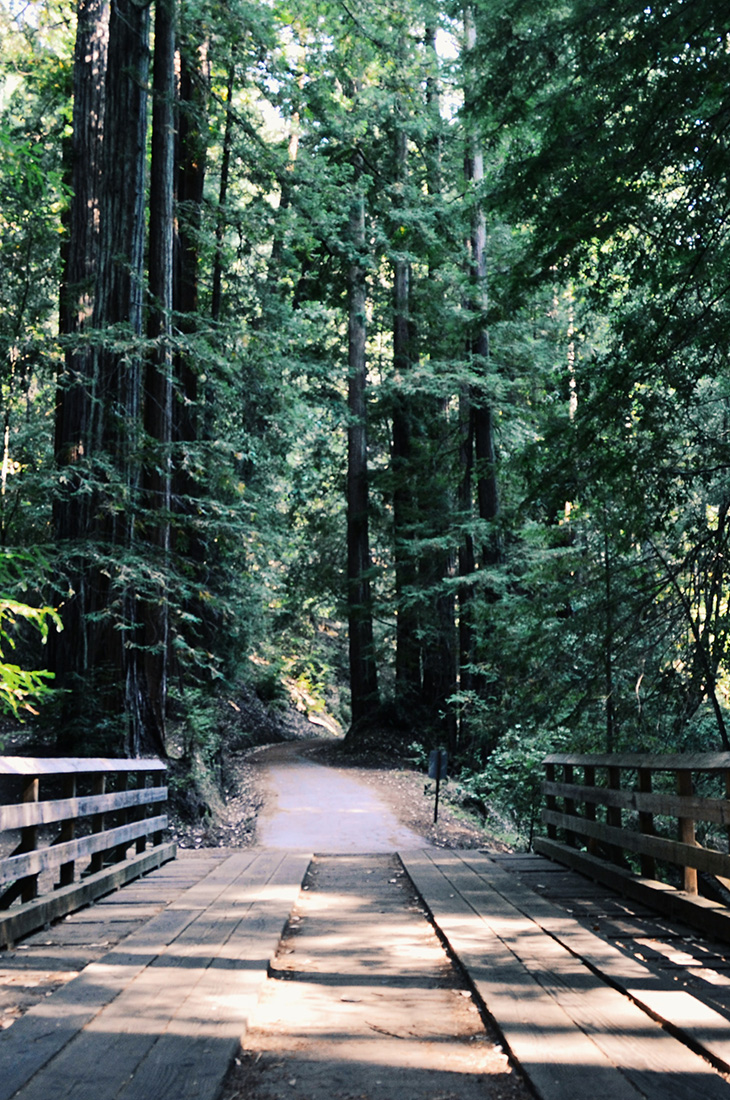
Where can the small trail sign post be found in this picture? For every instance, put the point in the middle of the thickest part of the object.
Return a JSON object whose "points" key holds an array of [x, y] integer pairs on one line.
{"points": [[438, 765]]}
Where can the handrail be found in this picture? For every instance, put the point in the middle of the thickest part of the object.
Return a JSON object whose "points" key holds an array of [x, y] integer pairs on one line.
{"points": [[90, 851], [629, 809]]}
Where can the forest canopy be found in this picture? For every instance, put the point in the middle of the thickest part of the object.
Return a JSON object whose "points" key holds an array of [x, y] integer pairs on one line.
{"points": [[377, 350]]}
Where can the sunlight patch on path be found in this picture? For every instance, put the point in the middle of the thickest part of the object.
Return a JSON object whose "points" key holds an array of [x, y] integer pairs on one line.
{"points": [[319, 809]]}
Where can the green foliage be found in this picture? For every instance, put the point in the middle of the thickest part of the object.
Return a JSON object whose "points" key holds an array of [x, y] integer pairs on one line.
{"points": [[511, 780], [22, 690]]}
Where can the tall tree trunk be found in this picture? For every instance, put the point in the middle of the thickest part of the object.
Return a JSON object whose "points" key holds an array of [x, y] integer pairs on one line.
{"points": [[118, 312], [69, 652], [158, 372], [467, 559], [217, 291], [407, 651], [486, 475], [189, 407], [363, 672], [439, 653], [477, 432]]}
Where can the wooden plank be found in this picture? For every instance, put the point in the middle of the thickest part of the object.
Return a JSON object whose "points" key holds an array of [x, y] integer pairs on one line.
{"points": [[23, 814], [49, 1026], [189, 1060], [687, 831], [700, 1025], [670, 805], [15, 867], [180, 1001], [651, 1059], [674, 851], [709, 916], [63, 765], [24, 919], [559, 1060], [28, 842], [694, 761]]}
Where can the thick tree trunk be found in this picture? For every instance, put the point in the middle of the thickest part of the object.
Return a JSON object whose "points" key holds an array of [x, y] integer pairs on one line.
{"points": [[158, 373], [118, 313], [486, 476], [439, 654], [363, 673], [192, 418], [217, 292], [69, 651]]}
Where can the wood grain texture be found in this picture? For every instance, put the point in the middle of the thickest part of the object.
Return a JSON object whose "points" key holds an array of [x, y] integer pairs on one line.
{"points": [[674, 851], [716, 810], [47, 813], [694, 761], [18, 922], [30, 863], [64, 765], [530, 982], [163, 1014]]}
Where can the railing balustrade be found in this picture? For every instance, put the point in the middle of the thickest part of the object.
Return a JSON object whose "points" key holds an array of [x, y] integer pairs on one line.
{"points": [[77, 819]]}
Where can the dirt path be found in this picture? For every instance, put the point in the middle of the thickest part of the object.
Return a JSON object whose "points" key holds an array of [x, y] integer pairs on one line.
{"points": [[322, 809], [363, 1003]]}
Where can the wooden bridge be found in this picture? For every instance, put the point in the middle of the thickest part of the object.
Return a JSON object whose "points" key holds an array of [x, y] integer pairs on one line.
{"points": [[594, 993]]}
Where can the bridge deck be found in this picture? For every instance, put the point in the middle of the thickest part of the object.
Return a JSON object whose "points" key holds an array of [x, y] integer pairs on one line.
{"points": [[578, 996], [162, 1014], [594, 995]]}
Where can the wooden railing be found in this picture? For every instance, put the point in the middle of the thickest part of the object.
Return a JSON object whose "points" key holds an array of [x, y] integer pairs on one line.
{"points": [[604, 810], [93, 823]]}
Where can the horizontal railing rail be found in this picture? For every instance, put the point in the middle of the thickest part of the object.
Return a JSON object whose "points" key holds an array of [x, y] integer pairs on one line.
{"points": [[96, 823]]}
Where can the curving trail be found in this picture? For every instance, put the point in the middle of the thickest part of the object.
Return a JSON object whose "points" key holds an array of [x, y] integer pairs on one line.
{"points": [[319, 809]]}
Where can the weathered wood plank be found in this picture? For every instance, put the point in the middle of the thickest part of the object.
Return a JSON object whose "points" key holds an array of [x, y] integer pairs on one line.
{"points": [[702, 913], [18, 922], [186, 997], [670, 805], [24, 814], [700, 1024], [653, 1060], [558, 1059], [63, 765], [694, 761], [674, 851], [188, 1061], [15, 867], [46, 1028]]}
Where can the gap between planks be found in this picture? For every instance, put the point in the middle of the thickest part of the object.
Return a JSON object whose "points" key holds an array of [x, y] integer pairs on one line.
{"points": [[567, 1028], [163, 1013]]}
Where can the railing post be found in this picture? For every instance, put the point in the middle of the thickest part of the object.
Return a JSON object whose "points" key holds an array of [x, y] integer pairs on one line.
{"points": [[552, 830], [67, 871], [123, 785], [687, 829], [613, 813], [143, 812], [98, 786], [589, 780], [29, 841], [569, 777], [646, 824]]}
